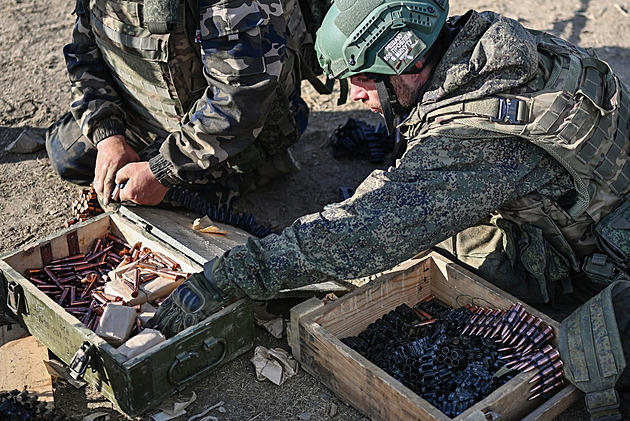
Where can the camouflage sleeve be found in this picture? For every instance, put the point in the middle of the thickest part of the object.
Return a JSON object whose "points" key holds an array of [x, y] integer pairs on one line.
{"points": [[243, 52], [440, 186], [96, 106]]}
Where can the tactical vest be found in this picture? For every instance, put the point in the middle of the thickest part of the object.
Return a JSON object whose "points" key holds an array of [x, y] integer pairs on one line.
{"points": [[580, 117], [159, 73]]}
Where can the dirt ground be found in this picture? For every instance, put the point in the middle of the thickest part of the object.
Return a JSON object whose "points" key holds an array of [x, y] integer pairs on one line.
{"points": [[34, 202]]}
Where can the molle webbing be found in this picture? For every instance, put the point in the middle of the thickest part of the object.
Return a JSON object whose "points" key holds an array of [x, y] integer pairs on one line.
{"points": [[296, 27], [580, 118], [617, 129], [122, 35], [139, 60]]}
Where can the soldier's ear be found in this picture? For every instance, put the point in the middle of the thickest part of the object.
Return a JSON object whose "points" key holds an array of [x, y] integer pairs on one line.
{"points": [[419, 64]]}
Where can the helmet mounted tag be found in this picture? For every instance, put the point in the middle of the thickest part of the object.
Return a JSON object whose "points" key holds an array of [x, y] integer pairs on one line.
{"points": [[402, 50]]}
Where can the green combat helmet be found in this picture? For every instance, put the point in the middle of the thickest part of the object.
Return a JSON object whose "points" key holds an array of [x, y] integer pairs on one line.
{"points": [[380, 38]]}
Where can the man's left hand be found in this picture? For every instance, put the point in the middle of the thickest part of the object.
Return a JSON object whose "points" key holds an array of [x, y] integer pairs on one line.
{"points": [[142, 187]]}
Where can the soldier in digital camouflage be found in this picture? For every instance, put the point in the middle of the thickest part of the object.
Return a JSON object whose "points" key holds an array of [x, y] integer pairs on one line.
{"points": [[516, 167], [181, 92]]}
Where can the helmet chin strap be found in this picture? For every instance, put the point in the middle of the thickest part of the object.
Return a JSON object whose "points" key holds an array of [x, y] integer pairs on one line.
{"points": [[389, 101]]}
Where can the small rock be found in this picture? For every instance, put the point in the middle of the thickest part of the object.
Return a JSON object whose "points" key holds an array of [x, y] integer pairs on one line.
{"points": [[305, 416], [325, 396], [332, 411]]}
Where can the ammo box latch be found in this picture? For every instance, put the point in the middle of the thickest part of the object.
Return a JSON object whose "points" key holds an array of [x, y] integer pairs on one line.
{"points": [[15, 298], [81, 360]]}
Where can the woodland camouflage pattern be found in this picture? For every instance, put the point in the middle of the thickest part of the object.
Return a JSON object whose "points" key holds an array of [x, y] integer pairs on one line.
{"points": [[153, 87], [447, 181]]}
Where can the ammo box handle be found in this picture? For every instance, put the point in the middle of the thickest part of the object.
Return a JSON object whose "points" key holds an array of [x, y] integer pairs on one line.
{"points": [[182, 358]]}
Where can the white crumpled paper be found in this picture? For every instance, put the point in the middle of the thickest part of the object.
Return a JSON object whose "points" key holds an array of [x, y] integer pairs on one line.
{"points": [[179, 409], [272, 323], [205, 225], [202, 416], [275, 364]]}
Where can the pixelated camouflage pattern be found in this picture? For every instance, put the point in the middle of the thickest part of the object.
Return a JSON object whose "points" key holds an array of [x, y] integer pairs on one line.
{"points": [[614, 233], [451, 177], [442, 184], [205, 102], [163, 16], [578, 112]]}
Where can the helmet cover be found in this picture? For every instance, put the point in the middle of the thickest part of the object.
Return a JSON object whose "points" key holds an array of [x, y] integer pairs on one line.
{"points": [[377, 36]]}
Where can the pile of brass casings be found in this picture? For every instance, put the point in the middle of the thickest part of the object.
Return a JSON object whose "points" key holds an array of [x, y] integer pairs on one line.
{"points": [[85, 207], [77, 282]]}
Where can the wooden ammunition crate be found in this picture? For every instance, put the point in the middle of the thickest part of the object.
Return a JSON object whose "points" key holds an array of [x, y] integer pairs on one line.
{"points": [[317, 329], [133, 385]]}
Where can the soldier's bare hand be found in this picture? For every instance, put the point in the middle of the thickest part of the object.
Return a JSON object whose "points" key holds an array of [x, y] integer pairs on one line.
{"points": [[142, 187], [113, 154]]}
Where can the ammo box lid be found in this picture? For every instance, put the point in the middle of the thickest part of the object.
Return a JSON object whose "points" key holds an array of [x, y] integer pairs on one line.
{"points": [[174, 227]]}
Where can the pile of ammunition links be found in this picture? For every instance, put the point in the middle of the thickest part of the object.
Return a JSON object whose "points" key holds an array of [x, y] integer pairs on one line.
{"points": [[454, 358], [85, 207], [77, 283], [18, 405]]}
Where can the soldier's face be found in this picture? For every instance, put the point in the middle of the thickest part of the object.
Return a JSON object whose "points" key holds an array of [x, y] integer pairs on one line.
{"points": [[406, 87], [363, 89]]}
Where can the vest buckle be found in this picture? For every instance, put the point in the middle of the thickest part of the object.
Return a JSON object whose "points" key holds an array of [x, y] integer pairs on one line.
{"points": [[509, 111]]}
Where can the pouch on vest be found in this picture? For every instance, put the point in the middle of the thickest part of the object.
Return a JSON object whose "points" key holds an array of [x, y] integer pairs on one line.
{"points": [[592, 350], [279, 132], [529, 251], [613, 233], [163, 16]]}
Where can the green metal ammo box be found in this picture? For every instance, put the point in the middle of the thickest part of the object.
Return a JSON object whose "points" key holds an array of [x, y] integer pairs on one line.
{"points": [[137, 384]]}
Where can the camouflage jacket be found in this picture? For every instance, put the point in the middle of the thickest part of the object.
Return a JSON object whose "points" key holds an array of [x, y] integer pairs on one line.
{"points": [[203, 90], [451, 177]]}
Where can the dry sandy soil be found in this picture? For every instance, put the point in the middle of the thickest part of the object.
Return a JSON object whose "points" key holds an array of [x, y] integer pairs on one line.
{"points": [[34, 202]]}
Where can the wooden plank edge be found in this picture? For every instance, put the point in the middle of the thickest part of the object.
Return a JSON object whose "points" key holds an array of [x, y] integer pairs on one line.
{"points": [[406, 266], [444, 265], [296, 314], [26, 248], [555, 406], [424, 408]]}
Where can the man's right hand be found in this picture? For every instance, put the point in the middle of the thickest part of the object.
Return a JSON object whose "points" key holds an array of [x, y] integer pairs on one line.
{"points": [[191, 302], [113, 154]]}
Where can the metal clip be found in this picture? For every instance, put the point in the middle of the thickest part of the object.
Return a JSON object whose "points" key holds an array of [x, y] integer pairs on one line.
{"points": [[508, 110], [81, 360], [15, 295]]}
